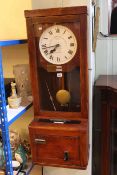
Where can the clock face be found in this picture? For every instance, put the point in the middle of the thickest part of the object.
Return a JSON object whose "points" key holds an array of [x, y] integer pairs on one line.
{"points": [[58, 44]]}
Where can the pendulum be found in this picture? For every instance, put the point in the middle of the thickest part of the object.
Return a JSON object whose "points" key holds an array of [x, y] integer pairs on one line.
{"points": [[63, 96]]}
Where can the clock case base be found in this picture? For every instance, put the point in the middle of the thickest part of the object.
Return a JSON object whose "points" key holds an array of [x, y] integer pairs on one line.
{"points": [[59, 144]]}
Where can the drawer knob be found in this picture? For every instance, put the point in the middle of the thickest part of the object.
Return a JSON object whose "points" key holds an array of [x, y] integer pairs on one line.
{"points": [[40, 141], [66, 156]]}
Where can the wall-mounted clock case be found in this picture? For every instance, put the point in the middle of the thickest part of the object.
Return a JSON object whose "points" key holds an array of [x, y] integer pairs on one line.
{"points": [[57, 40]]}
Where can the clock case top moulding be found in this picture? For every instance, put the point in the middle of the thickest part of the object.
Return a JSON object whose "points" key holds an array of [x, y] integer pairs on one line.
{"points": [[59, 137]]}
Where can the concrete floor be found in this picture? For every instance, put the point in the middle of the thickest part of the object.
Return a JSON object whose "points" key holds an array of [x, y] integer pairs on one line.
{"points": [[36, 170]]}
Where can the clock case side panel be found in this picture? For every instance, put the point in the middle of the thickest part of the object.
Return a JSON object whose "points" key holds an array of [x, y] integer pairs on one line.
{"points": [[84, 67], [33, 65], [82, 18]]}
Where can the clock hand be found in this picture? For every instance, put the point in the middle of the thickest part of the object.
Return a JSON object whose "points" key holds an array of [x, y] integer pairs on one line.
{"points": [[53, 50], [57, 45]]}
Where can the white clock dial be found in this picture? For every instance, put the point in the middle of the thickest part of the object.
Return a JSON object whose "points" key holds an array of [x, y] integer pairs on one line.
{"points": [[58, 44]]}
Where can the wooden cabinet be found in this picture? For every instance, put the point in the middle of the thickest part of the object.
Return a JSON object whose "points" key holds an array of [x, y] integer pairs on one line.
{"points": [[105, 126]]}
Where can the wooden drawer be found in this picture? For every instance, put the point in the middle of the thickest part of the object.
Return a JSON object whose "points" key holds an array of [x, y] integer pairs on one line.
{"points": [[57, 149], [64, 150]]}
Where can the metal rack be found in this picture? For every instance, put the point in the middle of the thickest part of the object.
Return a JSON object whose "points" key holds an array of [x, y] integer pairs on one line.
{"points": [[7, 115]]}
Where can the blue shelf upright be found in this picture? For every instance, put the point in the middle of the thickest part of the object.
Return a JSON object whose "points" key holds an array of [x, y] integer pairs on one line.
{"points": [[4, 123]]}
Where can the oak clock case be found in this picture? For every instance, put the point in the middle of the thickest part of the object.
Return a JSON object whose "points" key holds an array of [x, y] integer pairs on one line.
{"points": [[58, 61]]}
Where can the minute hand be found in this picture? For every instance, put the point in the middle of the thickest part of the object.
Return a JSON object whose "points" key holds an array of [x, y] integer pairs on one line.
{"points": [[56, 45]]}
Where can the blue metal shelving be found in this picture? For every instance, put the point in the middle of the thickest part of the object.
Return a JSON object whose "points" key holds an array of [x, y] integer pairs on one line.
{"points": [[12, 42], [5, 120]]}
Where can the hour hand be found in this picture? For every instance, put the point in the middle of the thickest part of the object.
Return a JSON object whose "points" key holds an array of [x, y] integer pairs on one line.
{"points": [[53, 50]]}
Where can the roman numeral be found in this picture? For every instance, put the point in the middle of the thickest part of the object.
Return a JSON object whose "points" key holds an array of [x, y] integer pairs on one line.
{"points": [[58, 59], [64, 31], [57, 30], [43, 46], [51, 57], [71, 44], [69, 37], [46, 52], [50, 32], [70, 52]]}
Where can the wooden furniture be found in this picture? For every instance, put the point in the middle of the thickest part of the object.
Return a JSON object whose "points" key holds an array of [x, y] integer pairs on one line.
{"points": [[57, 40], [105, 126]]}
